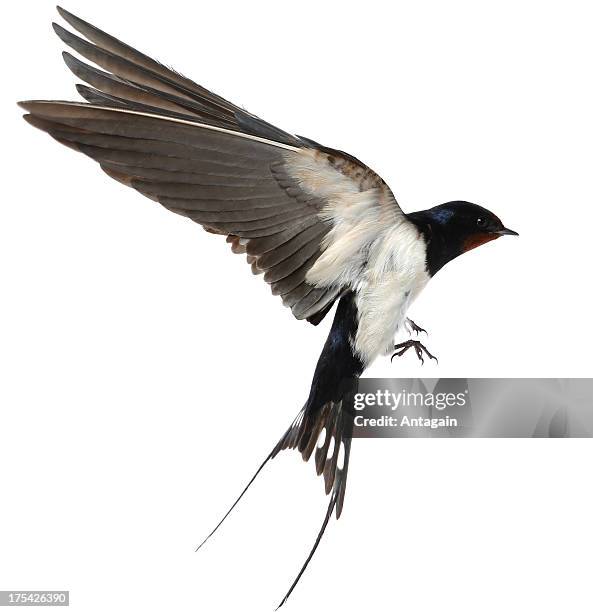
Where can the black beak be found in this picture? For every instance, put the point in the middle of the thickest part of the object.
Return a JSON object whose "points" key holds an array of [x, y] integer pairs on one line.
{"points": [[506, 232]]}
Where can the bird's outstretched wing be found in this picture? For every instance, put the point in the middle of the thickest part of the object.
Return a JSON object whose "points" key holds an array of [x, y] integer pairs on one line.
{"points": [[303, 214]]}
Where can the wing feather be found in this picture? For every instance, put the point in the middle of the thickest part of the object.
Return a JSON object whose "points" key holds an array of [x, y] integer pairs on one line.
{"points": [[283, 201], [142, 69], [129, 94]]}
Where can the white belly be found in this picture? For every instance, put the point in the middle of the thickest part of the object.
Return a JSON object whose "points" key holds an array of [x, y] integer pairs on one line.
{"points": [[394, 276]]}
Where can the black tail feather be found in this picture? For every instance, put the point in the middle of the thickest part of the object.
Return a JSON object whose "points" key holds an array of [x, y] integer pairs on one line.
{"points": [[338, 421], [284, 442], [330, 509], [329, 409], [259, 469]]}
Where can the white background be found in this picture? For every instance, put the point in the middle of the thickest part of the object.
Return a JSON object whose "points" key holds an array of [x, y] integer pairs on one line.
{"points": [[145, 372]]}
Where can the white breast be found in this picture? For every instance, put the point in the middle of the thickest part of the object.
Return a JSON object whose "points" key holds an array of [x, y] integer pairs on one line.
{"points": [[371, 248], [393, 277]]}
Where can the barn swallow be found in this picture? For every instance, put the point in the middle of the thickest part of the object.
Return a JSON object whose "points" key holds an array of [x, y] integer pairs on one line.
{"points": [[320, 225]]}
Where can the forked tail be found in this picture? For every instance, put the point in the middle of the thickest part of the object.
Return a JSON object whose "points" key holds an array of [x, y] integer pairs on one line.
{"points": [[333, 428], [326, 422]]}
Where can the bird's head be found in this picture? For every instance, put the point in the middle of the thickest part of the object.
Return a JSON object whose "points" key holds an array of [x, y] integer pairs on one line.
{"points": [[455, 228]]}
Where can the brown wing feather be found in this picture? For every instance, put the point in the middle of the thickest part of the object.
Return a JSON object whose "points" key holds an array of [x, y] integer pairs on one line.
{"points": [[141, 80], [219, 179], [203, 157]]}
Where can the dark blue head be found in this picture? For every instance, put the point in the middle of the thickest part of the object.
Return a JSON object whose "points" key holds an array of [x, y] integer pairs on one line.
{"points": [[455, 228]]}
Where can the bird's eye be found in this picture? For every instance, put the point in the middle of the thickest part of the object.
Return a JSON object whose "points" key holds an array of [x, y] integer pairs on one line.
{"points": [[481, 222]]}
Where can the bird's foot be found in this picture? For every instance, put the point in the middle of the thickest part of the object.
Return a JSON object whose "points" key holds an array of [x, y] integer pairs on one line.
{"points": [[402, 347], [413, 328]]}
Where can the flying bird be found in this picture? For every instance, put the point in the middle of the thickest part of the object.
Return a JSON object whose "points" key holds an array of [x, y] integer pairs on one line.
{"points": [[318, 224]]}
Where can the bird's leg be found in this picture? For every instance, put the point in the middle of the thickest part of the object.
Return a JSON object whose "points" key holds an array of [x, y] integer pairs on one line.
{"points": [[402, 347], [413, 328]]}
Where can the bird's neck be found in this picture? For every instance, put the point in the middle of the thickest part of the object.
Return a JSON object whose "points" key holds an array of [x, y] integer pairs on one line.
{"points": [[442, 242]]}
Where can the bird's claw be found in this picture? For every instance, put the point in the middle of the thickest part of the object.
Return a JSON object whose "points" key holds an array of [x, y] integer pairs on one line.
{"points": [[418, 347], [414, 328]]}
